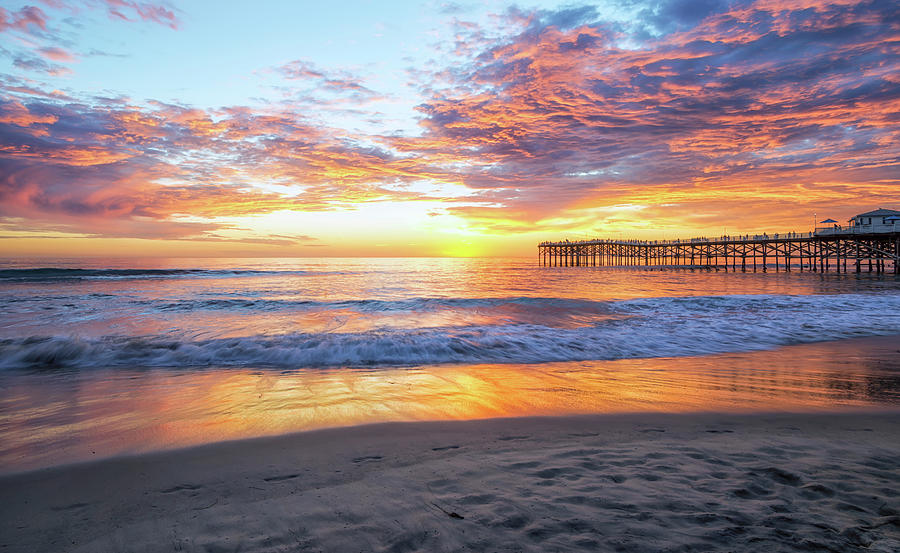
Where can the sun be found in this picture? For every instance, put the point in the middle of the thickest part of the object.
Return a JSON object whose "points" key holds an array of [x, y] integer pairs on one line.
{"points": [[463, 248]]}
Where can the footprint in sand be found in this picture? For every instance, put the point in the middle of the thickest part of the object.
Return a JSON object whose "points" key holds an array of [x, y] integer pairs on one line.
{"points": [[69, 507], [369, 458], [280, 477], [182, 488]]}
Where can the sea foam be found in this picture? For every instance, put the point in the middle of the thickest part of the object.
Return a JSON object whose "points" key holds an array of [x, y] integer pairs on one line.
{"points": [[649, 327]]}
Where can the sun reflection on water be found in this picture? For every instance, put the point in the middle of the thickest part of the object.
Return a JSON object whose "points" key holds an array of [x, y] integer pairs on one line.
{"points": [[49, 419]]}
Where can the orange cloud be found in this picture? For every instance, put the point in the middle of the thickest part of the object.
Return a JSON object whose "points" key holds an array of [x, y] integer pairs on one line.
{"points": [[693, 118]]}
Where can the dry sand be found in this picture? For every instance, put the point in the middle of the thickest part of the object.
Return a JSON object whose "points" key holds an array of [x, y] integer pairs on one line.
{"points": [[785, 482]]}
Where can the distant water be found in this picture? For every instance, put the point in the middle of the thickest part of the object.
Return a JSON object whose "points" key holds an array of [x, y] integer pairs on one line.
{"points": [[81, 341], [378, 312]]}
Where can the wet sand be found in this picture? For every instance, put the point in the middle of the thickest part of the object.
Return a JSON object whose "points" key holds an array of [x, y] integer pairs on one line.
{"points": [[634, 482], [66, 416]]}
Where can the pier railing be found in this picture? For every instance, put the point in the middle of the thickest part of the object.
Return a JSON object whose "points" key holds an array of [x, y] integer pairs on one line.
{"points": [[696, 240], [824, 231]]}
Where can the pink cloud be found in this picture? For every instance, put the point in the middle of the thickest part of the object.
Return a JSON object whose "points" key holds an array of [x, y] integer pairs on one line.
{"points": [[57, 54], [23, 20], [146, 11]]}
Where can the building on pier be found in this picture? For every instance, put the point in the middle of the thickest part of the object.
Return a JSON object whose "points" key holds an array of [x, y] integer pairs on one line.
{"points": [[880, 220], [871, 222]]}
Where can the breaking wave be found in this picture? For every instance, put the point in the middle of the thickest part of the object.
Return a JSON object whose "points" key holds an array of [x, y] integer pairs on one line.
{"points": [[651, 327]]}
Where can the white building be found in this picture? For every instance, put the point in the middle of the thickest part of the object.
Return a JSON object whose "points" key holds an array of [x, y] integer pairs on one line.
{"points": [[880, 220]]}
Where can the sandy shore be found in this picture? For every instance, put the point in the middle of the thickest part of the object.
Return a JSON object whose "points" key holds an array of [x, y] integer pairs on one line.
{"points": [[781, 482]]}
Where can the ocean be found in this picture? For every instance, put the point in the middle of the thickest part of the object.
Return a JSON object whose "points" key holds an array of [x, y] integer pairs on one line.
{"points": [[105, 357]]}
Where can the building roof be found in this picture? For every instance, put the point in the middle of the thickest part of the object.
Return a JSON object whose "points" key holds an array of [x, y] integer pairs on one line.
{"points": [[879, 213]]}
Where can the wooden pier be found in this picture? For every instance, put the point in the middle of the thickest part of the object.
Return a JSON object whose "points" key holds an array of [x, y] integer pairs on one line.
{"points": [[830, 250]]}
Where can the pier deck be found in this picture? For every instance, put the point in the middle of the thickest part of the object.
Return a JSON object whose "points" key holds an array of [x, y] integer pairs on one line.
{"points": [[827, 250]]}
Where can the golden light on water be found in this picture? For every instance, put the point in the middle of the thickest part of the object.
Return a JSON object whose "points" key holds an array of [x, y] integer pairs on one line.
{"points": [[107, 415]]}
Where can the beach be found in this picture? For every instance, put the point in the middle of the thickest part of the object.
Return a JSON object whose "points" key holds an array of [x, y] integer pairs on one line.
{"points": [[640, 482], [445, 405]]}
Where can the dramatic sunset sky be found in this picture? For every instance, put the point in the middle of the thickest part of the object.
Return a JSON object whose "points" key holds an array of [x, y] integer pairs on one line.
{"points": [[437, 128]]}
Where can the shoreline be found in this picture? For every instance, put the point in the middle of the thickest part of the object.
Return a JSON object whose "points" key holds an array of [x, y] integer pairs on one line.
{"points": [[621, 481], [373, 431], [91, 415]]}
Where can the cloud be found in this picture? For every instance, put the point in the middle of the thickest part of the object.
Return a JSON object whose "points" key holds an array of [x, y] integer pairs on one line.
{"points": [[332, 81], [29, 62], [32, 18], [44, 41], [689, 115], [57, 54], [15, 113], [756, 93], [111, 165], [145, 11], [25, 19]]}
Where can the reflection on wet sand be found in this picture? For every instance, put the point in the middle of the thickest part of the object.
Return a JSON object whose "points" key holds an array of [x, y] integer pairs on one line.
{"points": [[70, 416]]}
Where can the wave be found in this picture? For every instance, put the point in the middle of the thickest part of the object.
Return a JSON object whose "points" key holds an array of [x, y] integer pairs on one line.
{"points": [[639, 306], [422, 304], [57, 274], [652, 327]]}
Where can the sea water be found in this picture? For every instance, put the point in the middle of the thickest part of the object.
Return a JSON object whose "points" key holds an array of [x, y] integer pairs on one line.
{"points": [[125, 355]]}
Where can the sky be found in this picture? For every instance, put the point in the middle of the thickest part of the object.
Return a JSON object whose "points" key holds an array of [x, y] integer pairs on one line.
{"points": [[437, 128]]}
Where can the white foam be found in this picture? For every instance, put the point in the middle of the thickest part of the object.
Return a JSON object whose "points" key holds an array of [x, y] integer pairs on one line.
{"points": [[652, 327]]}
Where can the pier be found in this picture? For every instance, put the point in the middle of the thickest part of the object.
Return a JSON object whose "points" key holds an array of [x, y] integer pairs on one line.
{"points": [[855, 249]]}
